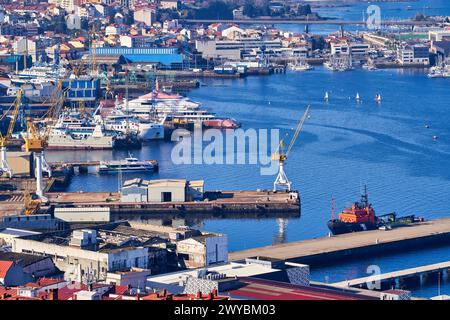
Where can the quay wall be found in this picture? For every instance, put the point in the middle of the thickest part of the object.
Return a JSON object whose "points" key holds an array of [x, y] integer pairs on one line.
{"points": [[374, 249]]}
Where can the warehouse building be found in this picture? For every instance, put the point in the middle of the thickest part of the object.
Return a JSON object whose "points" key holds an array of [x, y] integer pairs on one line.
{"points": [[203, 250], [167, 57], [162, 190]]}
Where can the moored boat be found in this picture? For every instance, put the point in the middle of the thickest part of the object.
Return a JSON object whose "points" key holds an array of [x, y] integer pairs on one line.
{"points": [[221, 123], [361, 217], [129, 164]]}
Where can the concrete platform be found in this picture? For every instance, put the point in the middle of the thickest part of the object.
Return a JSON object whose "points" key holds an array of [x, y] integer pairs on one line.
{"points": [[241, 202], [318, 250]]}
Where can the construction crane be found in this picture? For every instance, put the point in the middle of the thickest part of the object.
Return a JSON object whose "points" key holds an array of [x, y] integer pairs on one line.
{"points": [[4, 139], [36, 140], [282, 182], [31, 206], [93, 51]]}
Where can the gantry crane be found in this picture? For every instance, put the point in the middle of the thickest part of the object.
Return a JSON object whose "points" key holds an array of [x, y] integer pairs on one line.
{"points": [[4, 139], [36, 140], [31, 206], [282, 182]]}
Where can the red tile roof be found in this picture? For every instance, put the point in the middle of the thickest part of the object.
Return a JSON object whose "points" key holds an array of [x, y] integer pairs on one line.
{"points": [[4, 268]]}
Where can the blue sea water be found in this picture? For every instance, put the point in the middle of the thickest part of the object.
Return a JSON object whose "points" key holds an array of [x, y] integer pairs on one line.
{"points": [[343, 145]]}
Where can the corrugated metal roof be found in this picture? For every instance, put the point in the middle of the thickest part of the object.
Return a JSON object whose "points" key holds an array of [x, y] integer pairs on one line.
{"points": [[166, 59], [135, 51], [166, 56], [167, 182]]}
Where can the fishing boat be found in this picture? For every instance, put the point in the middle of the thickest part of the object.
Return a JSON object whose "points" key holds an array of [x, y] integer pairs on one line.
{"points": [[129, 164], [300, 66]]}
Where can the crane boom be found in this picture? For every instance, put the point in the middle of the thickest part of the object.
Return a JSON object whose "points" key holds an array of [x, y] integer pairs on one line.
{"points": [[4, 139], [282, 181], [297, 130], [15, 113]]}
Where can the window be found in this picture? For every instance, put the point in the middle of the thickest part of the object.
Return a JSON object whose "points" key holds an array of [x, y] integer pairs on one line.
{"points": [[166, 196]]}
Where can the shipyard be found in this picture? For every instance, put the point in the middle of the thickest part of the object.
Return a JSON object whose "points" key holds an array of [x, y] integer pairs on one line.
{"points": [[224, 150]]}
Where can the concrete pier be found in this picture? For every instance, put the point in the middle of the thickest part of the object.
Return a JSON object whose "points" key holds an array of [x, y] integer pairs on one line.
{"points": [[236, 203], [398, 277], [352, 245]]}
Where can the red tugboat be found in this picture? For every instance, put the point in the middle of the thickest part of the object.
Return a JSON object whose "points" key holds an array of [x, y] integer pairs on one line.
{"points": [[361, 217]]}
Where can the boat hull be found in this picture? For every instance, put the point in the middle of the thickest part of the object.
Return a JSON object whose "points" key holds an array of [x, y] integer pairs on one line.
{"points": [[338, 227], [115, 170], [151, 131]]}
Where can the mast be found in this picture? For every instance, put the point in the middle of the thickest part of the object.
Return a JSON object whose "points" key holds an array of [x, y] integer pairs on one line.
{"points": [[365, 197]]}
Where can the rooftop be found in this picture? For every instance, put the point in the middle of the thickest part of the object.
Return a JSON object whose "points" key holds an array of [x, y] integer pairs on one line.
{"points": [[21, 259], [261, 289]]}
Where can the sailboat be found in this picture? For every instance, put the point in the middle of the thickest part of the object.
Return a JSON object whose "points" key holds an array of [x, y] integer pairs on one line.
{"points": [[357, 98], [378, 98], [326, 96]]}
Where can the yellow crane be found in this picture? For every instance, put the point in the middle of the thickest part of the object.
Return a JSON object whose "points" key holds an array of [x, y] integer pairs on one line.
{"points": [[35, 142], [4, 139], [282, 182]]}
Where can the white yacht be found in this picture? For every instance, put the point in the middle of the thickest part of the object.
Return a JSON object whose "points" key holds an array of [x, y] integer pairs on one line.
{"points": [[38, 74], [172, 106], [146, 128], [300, 66]]}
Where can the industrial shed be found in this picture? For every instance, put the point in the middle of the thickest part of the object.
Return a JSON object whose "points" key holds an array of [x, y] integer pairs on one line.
{"points": [[162, 190], [167, 190], [134, 191], [168, 57]]}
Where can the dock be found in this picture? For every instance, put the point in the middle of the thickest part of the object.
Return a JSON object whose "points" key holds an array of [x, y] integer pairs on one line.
{"points": [[237, 203], [353, 245], [398, 279], [83, 165]]}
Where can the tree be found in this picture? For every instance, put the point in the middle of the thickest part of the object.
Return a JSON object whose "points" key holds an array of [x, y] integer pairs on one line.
{"points": [[304, 10]]}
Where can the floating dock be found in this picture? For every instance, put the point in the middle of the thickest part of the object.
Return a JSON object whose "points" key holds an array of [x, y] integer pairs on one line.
{"points": [[354, 245], [237, 203]]}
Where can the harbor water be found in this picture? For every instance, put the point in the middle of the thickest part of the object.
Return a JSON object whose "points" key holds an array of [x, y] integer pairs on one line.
{"points": [[343, 145]]}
